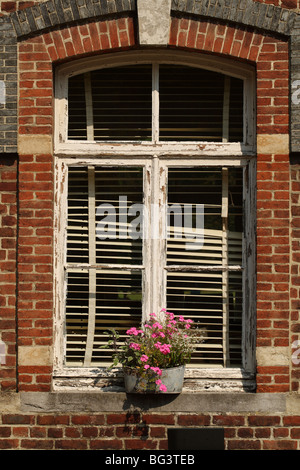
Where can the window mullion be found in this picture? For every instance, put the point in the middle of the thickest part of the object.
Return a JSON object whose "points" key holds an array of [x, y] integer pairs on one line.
{"points": [[157, 235], [155, 103], [92, 271]]}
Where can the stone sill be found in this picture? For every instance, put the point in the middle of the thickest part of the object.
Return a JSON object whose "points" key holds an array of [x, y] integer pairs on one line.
{"points": [[119, 402], [100, 402]]}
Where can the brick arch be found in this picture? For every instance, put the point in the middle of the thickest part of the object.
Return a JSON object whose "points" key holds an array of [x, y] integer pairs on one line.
{"points": [[37, 55], [269, 54]]}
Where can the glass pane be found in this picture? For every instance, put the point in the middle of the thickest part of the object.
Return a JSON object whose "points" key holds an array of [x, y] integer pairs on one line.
{"points": [[76, 109], [78, 222], [211, 297], [194, 216], [191, 105], [119, 210], [236, 110], [235, 216], [77, 313], [122, 103], [235, 318], [118, 305], [199, 296]]}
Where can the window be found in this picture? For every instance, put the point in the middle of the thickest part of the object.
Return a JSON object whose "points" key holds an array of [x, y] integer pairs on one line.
{"points": [[191, 104], [155, 209]]}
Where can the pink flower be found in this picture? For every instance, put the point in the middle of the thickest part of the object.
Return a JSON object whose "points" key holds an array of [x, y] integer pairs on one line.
{"points": [[158, 382], [170, 314], [157, 325], [134, 331], [180, 318], [163, 388], [135, 346], [144, 358], [157, 370], [146, 366], [164, 348]]}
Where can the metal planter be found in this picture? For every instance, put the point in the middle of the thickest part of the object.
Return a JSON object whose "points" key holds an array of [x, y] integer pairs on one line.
{"points": [[172, 378]]}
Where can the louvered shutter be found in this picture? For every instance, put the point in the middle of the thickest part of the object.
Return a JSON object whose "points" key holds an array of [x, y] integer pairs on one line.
{"points": [[191, 104], [205, 283], [155, 102], [104, 261]]}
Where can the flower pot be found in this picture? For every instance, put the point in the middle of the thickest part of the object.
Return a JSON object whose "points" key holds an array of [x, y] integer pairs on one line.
{"points": [[172, 378]]}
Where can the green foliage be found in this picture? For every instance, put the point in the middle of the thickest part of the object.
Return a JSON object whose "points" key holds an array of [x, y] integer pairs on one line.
{"points": [[160, 343]]}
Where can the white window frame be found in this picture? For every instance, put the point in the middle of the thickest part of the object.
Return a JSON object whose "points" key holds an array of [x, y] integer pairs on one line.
{"points": [[235, 69], [174, 154]]}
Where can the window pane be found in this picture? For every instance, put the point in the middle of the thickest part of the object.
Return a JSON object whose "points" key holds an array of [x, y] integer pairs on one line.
{"points": [[200, 284], [236, 110], [122, 103], [195, 222], [77, 109], [77, 313], [235, 318], [78, 217], [192, 102], [199, 296], [119, 206], [235, 215], [103, 229], [121, 99], [118, 305]]}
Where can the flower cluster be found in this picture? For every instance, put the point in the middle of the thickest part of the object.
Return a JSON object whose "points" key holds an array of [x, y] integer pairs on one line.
{"points": [[162, 342]]}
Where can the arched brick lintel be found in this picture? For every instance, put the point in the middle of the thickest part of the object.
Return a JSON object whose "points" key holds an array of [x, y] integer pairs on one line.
{"points": [[38, 54]]}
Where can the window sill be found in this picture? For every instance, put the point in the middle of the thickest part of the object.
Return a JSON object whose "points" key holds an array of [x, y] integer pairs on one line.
{"points": [[196, 380]]}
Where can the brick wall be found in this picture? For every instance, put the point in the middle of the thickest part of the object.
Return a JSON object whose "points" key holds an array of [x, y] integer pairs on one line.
{"points": [[143, 431], [295, 275], [8, 234], [277, 244]]}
